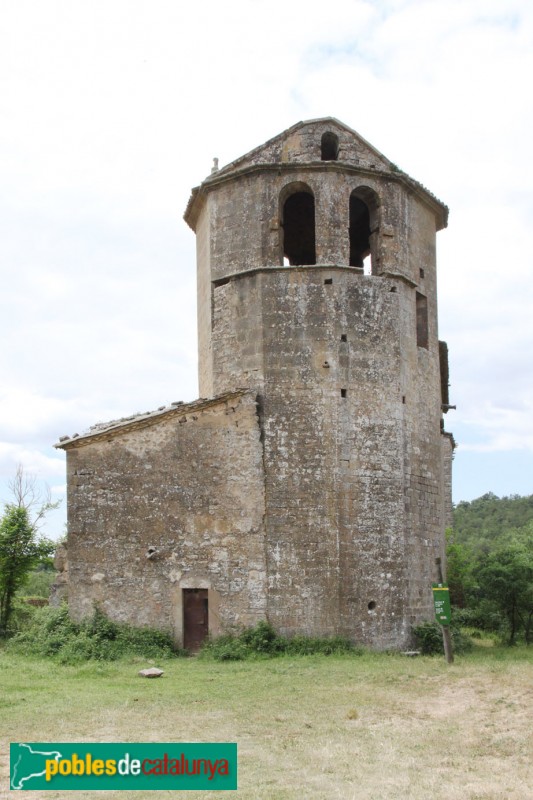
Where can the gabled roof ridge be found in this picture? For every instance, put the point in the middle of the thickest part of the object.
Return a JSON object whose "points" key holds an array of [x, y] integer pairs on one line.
{"points": [[145, 418], [232, 164]]}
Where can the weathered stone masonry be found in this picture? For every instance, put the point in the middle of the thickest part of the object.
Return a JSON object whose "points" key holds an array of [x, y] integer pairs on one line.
{"points": [[171, 500], [313, 488]]}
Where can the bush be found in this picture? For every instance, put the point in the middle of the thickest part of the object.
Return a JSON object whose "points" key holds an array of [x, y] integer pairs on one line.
{"points": [[263, 641], [226, 648], [429, 639], [483, 616], [51, 632], [21, 616], [38, 583], [306, 645], [461, 641]]}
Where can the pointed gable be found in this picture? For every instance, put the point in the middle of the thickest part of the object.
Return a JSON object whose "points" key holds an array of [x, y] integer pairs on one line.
{"points": [[302, 144], [315, 142]]}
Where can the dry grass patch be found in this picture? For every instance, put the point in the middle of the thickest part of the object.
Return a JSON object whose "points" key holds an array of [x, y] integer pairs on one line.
{"points": [[367, 727]]}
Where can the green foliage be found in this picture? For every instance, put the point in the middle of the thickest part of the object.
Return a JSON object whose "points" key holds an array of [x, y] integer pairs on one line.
{"points": [[482, 616], [429, 639], [263, 641], [52, 633], [327, 646], [20, 551], [506, 581], [490, 565], [480, 523], [225, 648], [38, 583], [459, 571], [21, 617]]}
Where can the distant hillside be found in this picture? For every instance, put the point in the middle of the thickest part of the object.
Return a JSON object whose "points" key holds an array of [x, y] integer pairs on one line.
{"points": [[479, 523]]}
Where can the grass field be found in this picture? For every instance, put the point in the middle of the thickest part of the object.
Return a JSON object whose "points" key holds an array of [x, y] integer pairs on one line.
{"points": [[365, 727]]}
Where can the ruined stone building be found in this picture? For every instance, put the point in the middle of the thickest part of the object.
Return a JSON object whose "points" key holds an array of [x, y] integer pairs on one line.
{"points": [[310, 483]]}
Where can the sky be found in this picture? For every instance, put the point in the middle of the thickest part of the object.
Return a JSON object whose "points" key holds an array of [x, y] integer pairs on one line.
{"points": [[111, 111]]}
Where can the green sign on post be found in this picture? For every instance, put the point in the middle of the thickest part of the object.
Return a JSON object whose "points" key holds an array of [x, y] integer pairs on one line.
{"points": [[441, 599]]}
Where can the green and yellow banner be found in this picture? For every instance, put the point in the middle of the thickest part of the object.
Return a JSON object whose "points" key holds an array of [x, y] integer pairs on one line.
{"points": [[441, 600], [161, 765]]}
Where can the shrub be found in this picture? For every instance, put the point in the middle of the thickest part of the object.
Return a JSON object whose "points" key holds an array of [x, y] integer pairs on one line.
{"points": [[306, 645], [51, 632], [38, 583], [429, 639], [226, 648], [263, 641], [21, 616], [483, 616]]}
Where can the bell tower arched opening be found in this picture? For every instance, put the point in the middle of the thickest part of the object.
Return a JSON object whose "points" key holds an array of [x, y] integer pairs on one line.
{"points": [[298, 224], [329, 146], [363, 229]]}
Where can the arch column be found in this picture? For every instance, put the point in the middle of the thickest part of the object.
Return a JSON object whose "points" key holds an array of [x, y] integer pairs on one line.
{"points": [[331, 214]]}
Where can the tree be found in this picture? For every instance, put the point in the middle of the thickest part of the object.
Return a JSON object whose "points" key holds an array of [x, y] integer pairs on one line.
{"points": [[26, 494], [20, 547], [459, 571], [506, 579]]}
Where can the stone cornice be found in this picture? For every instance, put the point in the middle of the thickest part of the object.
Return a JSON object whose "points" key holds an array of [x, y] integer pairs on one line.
{"points": [[200, 192], [107, 430]]}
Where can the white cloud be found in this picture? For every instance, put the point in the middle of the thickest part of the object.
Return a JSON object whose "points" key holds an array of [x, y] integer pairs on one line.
{"points": [[34, 462], [113, 111]]}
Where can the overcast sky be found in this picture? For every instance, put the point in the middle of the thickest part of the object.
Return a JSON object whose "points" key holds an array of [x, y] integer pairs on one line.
{"points": [[112, 110]]}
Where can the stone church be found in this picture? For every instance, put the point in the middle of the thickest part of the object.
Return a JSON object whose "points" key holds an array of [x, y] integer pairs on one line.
{"points": [[310, 483]]}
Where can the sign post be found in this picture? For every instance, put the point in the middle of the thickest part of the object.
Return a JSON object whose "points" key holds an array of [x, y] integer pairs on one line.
{"points": [[443, 611], [441, 600]]}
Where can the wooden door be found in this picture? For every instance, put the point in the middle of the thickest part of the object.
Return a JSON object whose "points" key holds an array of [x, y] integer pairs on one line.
{"points": [[195, 618]]}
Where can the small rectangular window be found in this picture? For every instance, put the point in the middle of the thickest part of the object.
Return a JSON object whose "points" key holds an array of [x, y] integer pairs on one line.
{"points": [[421, 320], [328, 281], [344, 337], [343, 392], [444, 373]]}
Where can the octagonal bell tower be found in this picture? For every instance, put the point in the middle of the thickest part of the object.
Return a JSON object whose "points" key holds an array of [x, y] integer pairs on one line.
{"points": [[317, 290]]}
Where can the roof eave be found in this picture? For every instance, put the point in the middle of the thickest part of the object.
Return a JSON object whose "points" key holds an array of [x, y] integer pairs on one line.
{"points": [[198, 195], [116, 427]]}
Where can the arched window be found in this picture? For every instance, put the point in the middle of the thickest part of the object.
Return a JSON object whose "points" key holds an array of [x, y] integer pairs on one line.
{"points": [[298, 220], [359, 232], [363, 228], [329, 146]]}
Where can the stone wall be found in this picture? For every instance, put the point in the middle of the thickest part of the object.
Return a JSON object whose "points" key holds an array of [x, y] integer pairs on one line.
{"points": [[170, 503], [314, 490], [350, 415]]}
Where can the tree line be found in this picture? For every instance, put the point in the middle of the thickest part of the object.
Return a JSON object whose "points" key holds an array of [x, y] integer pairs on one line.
{"points": [[490, 565]]}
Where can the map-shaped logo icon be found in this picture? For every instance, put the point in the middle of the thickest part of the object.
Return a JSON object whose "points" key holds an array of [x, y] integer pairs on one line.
{"points": [[27, 763]]}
